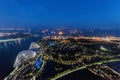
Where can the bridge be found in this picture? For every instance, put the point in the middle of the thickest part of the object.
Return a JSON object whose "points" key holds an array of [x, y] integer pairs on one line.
{"points": [[10, 40]]}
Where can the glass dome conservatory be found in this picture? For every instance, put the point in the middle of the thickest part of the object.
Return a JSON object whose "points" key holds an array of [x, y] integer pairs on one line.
{"points": [[34, 45], [24, 56]]}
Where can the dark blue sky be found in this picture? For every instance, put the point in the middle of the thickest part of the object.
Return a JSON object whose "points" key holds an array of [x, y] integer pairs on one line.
{"points": [[36, 12]]}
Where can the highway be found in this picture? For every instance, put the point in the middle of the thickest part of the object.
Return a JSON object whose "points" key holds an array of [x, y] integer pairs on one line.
{"points": [[82, 67]]}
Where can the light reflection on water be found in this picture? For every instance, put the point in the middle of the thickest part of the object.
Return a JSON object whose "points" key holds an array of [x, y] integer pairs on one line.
{"points": [[9, 51]]}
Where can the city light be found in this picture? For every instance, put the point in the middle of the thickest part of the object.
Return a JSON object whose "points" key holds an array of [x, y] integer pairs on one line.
{"points": [[60, 33]]}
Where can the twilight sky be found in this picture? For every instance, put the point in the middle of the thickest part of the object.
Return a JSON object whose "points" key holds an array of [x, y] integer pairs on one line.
{"points": [[36, 12]]}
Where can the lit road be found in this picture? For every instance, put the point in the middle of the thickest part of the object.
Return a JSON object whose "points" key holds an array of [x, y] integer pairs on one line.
{"points": [[82, 67]]}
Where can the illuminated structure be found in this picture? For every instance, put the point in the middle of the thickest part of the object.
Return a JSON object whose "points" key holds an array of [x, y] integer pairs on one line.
{"points": [[24, 56], [38, 63], [60, 33], [27, 54], [103, 49], [34, 45]]}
